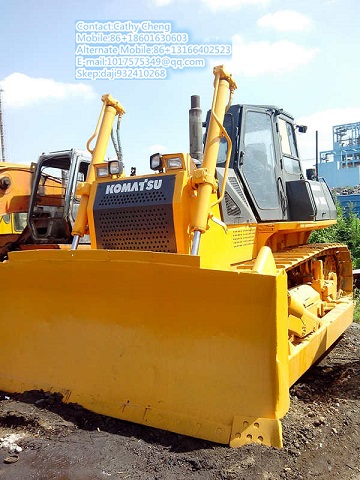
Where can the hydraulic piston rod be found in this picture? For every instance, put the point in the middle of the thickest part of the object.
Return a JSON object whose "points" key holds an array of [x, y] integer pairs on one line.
{"points": [[204, 178]]}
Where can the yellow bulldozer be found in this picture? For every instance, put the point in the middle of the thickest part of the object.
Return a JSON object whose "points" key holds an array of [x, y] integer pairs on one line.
{"points": [[199, 301]]}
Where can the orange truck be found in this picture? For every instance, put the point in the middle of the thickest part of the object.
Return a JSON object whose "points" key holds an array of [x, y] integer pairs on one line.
{"points": [[38, 203]]}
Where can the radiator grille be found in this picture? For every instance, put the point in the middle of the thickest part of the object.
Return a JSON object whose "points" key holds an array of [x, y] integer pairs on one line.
{"points": [[135, 220], [235, 184], [133, 198], [243, 237], [231, 207]]}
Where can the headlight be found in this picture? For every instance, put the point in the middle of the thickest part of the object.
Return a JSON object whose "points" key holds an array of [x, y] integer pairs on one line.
{"points": [[172, 163], [115, 167], [102, 171], [156, 162]]}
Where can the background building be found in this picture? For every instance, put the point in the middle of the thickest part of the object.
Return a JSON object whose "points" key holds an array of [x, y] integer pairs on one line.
{"points": [[341, 166]]}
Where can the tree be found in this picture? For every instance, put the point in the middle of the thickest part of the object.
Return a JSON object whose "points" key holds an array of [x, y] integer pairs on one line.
{"points": [[347, 230]]}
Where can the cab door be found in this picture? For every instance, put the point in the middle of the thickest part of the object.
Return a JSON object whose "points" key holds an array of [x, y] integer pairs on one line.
{"points": [[259, 168], [288, 148]]}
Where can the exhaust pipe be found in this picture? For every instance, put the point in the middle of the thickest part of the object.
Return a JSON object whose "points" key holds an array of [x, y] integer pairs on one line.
{"points": [[195, 130]]}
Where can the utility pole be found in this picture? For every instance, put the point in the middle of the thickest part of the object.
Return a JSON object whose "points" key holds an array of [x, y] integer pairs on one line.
{"points": [[2, 129]]}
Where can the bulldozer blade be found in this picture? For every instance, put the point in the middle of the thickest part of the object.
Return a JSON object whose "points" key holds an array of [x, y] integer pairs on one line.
{"points": [[151, 338]]}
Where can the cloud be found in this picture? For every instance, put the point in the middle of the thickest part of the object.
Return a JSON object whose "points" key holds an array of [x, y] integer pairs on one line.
{"points": [[161, 3], [261, 58], [323, 122], [285, 21], [20, 90], [215, 5], [157, 148]]}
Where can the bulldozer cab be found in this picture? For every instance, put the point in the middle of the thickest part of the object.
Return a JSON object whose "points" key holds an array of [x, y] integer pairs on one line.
{"points": [[265, 162], [53, 202]]}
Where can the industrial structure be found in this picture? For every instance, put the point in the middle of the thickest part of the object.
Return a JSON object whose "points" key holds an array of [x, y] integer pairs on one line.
{"points": [[341, 166]]}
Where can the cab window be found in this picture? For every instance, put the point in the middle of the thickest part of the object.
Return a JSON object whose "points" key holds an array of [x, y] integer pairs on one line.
{"points": [[288, 146], [223, 145]]}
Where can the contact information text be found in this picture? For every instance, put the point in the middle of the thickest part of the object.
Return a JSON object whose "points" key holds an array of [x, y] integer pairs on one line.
{"points": [[137, 49]]}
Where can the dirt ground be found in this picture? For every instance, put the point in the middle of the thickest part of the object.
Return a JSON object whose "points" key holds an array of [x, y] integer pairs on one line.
{"points": [[41, 438]]}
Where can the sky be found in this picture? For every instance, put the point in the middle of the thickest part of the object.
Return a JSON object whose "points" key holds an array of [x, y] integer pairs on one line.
{"points": [[299, 56]]}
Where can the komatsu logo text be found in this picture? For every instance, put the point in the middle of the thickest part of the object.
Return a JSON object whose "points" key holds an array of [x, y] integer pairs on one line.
{"points": [[133, 186]]}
